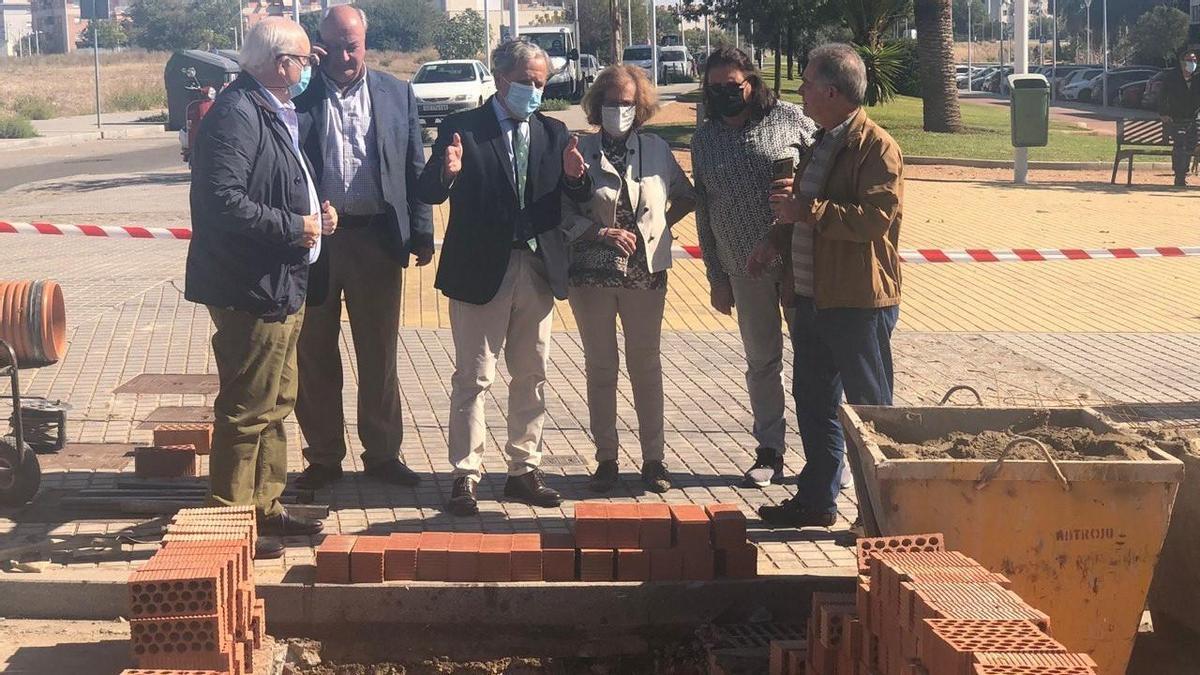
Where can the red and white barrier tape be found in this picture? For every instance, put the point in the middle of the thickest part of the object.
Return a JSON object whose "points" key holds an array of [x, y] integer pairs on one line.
{"points": [[917, 256]]}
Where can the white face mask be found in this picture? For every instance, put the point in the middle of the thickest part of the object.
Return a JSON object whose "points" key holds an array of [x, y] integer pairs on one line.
{"points": [[617, 120]]}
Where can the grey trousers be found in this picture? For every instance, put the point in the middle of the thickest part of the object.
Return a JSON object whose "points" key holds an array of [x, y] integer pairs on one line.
{"points": [[759, 317], [641, 312], [517, 321]]}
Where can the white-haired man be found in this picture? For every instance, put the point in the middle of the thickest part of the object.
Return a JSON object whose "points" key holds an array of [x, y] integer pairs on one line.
{"points": [[504, 167], [256, 226], [359, 128]]}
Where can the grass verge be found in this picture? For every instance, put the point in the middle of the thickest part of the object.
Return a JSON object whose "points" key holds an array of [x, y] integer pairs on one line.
{"points": [[14, 126]]}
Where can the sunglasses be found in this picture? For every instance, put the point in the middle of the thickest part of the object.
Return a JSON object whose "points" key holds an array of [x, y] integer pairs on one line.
{"points": [[725, 87]]}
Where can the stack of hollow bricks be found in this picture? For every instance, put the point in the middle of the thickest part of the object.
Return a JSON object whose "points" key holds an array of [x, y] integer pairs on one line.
{"points": [[923, 610], [193, 605], [173, 454], [612, 542]]}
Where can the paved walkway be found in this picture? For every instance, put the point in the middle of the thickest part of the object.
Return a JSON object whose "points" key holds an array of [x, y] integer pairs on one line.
{"points": [[1093, 332]]}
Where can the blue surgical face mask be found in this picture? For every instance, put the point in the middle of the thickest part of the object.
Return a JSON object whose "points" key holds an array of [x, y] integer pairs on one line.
{"points": [[298, 88], [523, 100]]}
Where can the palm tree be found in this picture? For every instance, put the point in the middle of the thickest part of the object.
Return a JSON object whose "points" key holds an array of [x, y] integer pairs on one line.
{"points": [[935, 53], [869, 19]]}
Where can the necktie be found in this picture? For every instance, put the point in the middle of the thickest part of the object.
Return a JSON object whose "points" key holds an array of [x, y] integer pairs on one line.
{"points": [[521, 157]]}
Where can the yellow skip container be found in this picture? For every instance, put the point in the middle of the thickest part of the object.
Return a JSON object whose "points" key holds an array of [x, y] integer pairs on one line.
{"points": [[1082, 550]]}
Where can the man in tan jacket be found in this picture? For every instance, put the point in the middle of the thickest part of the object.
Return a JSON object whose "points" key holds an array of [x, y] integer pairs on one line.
{"points": [[840, 221]]}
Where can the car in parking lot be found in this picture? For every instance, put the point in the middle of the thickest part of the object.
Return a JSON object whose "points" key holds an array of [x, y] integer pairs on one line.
{"points": [[675, 65], [640, 56], [446, 87]]}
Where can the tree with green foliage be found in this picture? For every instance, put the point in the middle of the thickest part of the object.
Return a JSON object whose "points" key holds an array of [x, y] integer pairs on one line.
{"points": [[935, 49], [1158, 34], [167, 25], [869, 20], [112, 33], [401, 25], [459, 37]]}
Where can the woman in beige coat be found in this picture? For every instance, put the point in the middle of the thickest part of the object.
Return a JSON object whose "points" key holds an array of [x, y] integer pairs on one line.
{"points": [[619, 260]]}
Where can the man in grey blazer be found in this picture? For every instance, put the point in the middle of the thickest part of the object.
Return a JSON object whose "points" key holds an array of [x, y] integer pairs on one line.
{"points": [[360, 130]]}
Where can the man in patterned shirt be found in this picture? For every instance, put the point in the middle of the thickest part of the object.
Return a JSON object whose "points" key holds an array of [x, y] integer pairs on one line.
{"points": [[732, 151], [842, 224]]}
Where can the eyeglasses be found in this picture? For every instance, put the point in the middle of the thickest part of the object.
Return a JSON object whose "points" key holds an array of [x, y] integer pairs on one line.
{"points": [[726, 87], [300, 59]]}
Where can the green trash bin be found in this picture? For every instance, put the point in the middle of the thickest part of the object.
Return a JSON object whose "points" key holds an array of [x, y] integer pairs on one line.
{"points": [[1029, 110]]}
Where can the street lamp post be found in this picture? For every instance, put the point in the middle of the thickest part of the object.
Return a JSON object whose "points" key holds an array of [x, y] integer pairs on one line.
{"points": [[629, 21], [1021, 67], [514, 29], [654, 40], [1104, 9], [1088, 14], [969, 42]]}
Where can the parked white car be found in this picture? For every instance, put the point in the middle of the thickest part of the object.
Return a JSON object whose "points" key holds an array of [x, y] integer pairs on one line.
{"points": [[640, 56], [446, 87], [675, 65]]}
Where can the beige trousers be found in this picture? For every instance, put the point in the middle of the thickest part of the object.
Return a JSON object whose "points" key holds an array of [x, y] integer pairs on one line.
{"points": [[517, 321], [641, 312], [756, 306]]}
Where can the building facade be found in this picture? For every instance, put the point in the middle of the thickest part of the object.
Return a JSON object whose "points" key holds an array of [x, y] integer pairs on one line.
{"points": [[57, 25], [16, 21]]}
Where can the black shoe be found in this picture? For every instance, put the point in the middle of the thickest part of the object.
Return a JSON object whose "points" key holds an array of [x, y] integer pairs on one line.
{"points": [[767, 469], [285, 525], [606, 476], [655, 476], [317, 476], [531, 489], [394, 472], [462, 498], [268, 548], [1180, 181], [791, 514]]}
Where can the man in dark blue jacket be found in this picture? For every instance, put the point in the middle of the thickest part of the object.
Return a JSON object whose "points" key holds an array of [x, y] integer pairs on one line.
{"points": [[256, 226], [360, 131]]}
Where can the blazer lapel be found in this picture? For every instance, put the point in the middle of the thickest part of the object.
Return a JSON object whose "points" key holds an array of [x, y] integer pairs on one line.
{"points": [[633, 166], [383, 120], [537, 146], [498, 142]]}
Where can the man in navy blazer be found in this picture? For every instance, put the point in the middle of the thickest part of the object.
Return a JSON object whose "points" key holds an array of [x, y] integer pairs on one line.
{"points": [[360, 131]]}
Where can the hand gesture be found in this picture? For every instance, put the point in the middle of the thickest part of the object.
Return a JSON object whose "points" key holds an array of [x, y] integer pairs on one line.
{"points": [[312, 230], [424, 254], [329, 218], [720, 296], [784, 203], [452, 164], [622, 240], [573, 164]]}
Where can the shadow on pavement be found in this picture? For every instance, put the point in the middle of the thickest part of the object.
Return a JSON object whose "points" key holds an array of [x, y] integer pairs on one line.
{"points": [[101, 657], [157, 178]]}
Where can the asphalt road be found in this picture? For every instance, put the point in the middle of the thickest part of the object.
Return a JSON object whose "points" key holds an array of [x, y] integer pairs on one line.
{"points": [[94, 157]]}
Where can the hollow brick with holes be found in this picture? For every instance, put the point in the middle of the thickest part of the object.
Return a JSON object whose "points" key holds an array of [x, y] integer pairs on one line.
{"points": [[164, 462], [333, 559], [157, 593], [259, 626], [1035, 659], [400, 556], [199, 642], [201, 561], [591, 525], [462, 558], [171, 671], [666, 564], [866, 548], [728, 525], [526, 557], [831, 623], [654, 526], [366, 560], [433, 553], [559, 557], [596, 564], [198, 435], [183, 518], [1013, 669], [691, 527], [624, 526], [633, 564], [780, 652], [495, 558], [949, 645], [971, 601], [739, 562]]}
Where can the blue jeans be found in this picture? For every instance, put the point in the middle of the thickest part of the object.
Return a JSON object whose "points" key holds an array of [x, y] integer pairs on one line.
{"points": [[836, 351]]}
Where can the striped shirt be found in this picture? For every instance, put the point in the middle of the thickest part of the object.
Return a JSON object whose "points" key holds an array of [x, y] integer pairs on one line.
{"points": [[812, 184]]}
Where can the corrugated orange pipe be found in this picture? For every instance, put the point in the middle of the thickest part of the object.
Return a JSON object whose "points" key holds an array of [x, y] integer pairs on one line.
{"points": [[33, 320]]}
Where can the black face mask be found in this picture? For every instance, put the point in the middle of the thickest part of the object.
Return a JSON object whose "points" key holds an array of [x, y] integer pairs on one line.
{"points": [[727, 99]]}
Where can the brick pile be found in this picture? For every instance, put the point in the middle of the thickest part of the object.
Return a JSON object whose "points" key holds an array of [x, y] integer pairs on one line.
{"points": [[923, 610], [165, 461], [193, 606], [611, 542], [198, 435]]}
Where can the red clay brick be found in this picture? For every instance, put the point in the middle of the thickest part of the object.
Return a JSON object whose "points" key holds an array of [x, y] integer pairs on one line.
{"points": [[699, 564], [195, 641], [164, 462], [655, 525], [197, 435], [400, 556], [948, 645], [198, 590], [1034, 659], [831, 624], [591, 525], [624, 526], [666, 564], [559, 557], [172, 671], [633, 564], [1013, 669], [333, 559], [366, 560], [596, 564], [432, 556], [740, 562], [691, 527], [462, 561], [866, 548], [526, 558], [728, 525], [969, 601], [780, 651], [495, 557]]}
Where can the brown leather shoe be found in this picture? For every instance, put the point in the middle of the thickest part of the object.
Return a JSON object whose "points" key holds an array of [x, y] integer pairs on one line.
{"points": [[462, 498], [531, 489]]}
